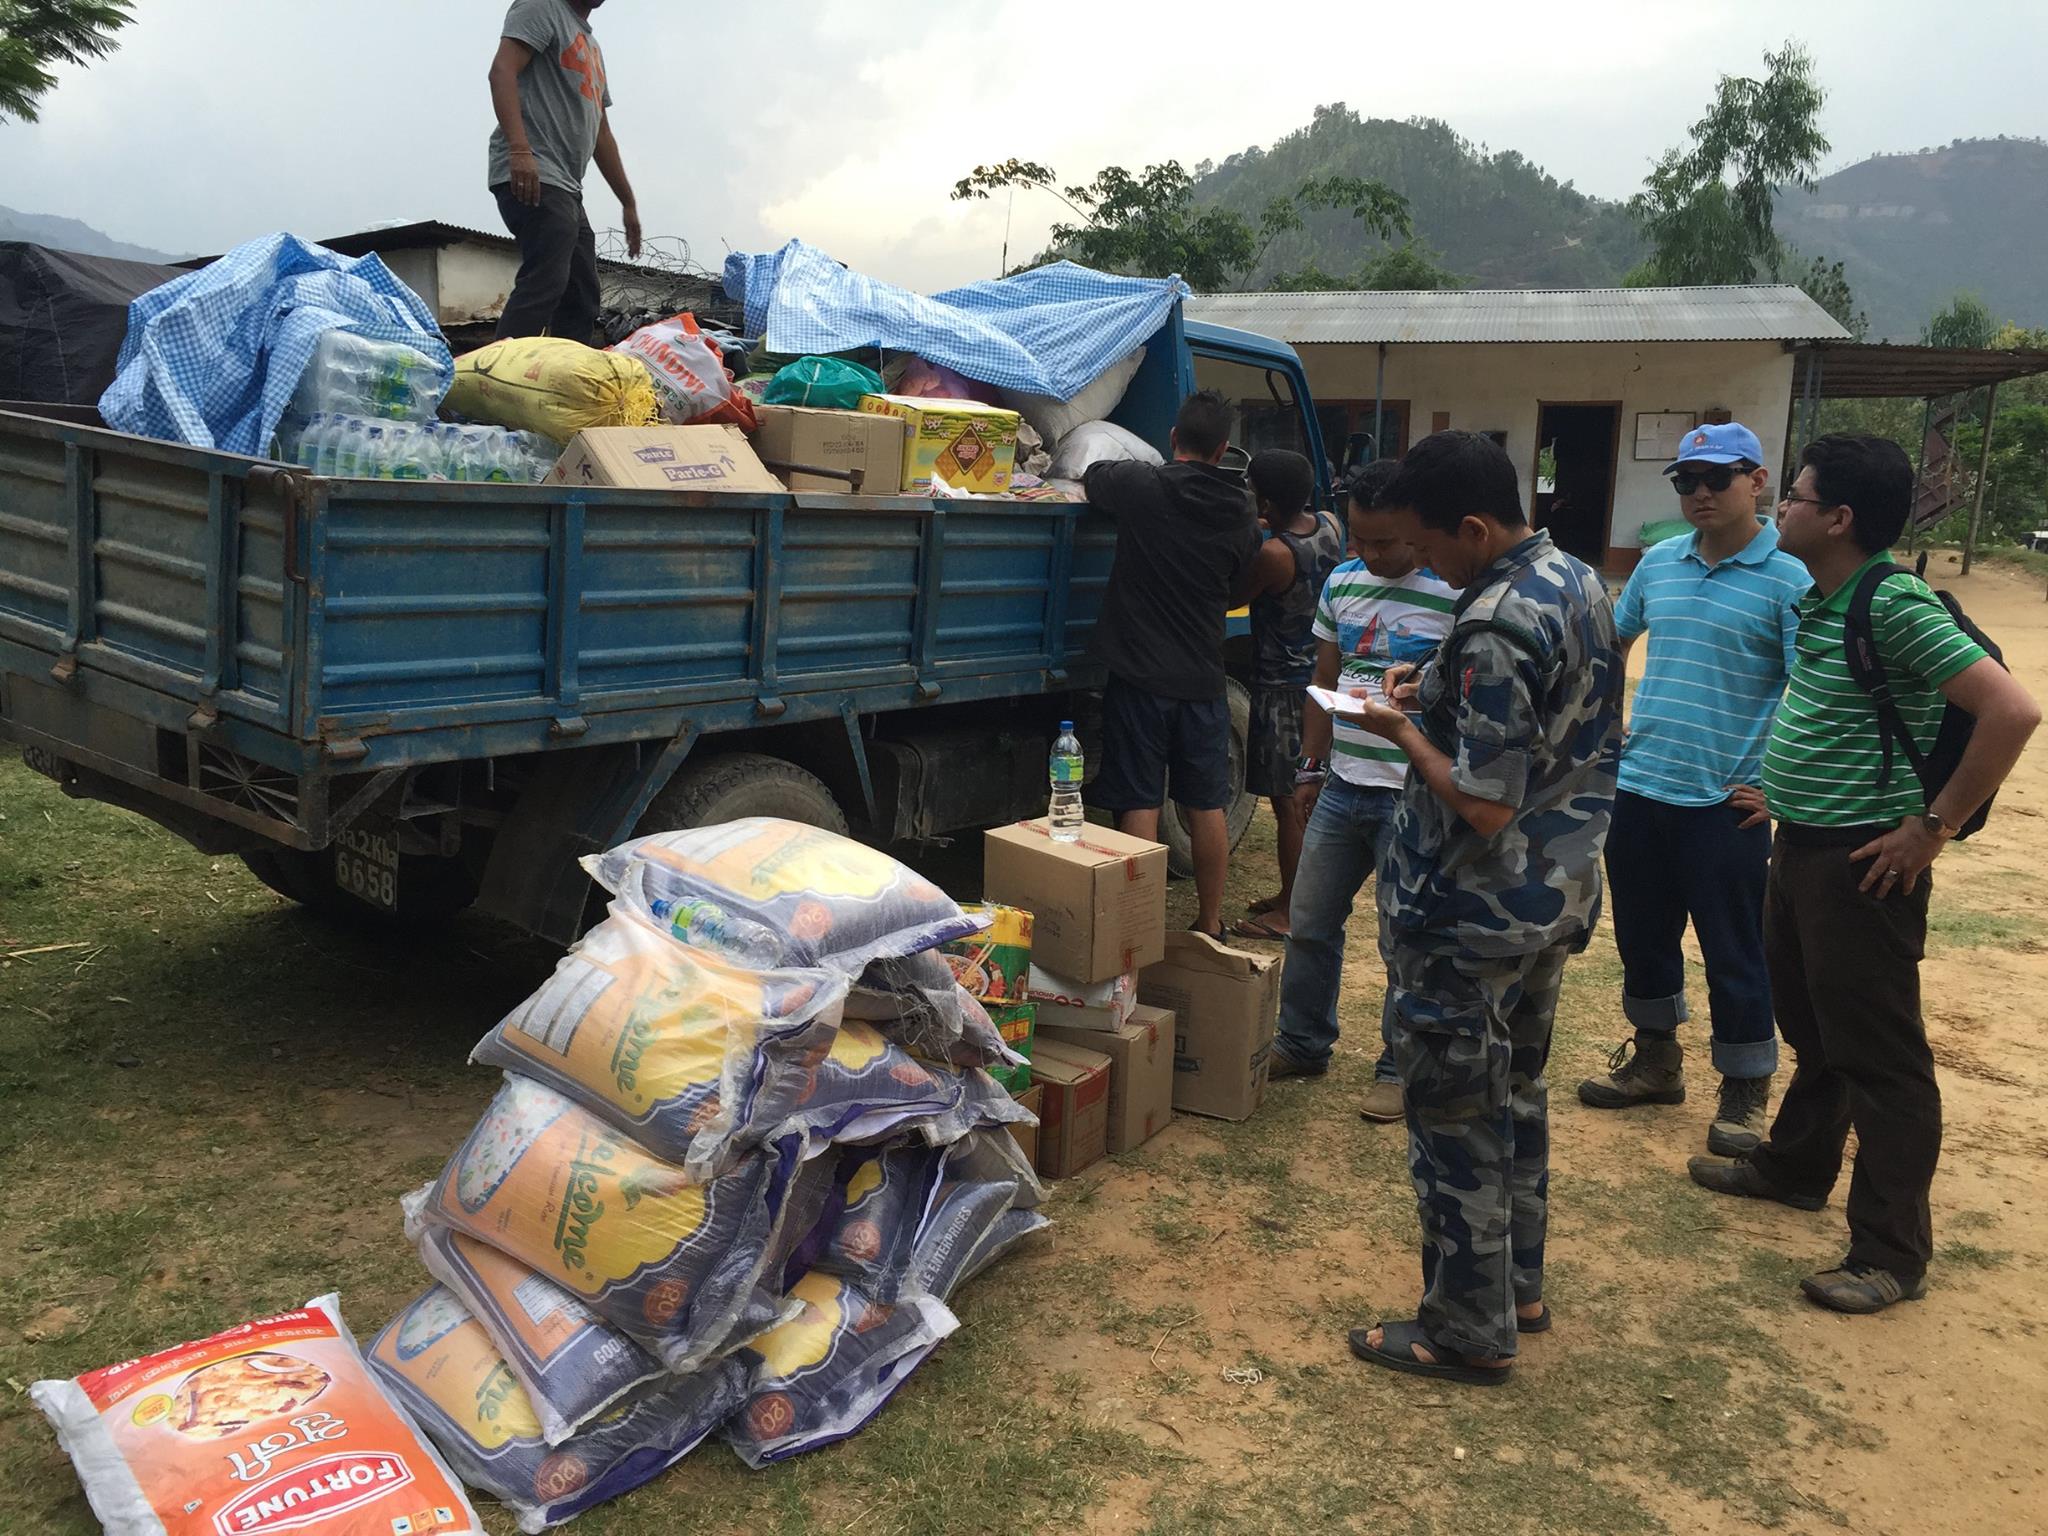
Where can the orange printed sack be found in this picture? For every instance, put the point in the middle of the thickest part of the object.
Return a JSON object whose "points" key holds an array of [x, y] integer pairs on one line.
{"points": [[270, 1427]]}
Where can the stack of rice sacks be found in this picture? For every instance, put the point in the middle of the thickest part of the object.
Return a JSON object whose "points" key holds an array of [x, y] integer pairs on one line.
{"points": [[711, 1197]]}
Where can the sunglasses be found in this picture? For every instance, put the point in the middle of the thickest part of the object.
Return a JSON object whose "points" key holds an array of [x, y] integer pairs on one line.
{"points": [[1716, 479]]}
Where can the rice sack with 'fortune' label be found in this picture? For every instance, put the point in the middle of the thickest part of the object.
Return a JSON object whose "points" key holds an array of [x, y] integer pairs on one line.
{"points": [[823, 1374], [572, 1364], [437, 1360], [271, 1427], [771, 893], [696, 1057], [667, 1260]]}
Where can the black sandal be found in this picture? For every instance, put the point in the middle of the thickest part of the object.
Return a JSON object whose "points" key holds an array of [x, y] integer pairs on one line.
{"points": [[1540, 1323], [1396, 1352]]}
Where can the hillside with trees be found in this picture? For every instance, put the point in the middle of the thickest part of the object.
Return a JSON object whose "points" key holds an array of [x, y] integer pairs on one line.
{"points": [[1912, 229], [1491, 218]]}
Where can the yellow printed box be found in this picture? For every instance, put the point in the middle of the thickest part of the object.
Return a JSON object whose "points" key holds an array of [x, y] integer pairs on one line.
{"points": [[995, 964], [963, 443]]}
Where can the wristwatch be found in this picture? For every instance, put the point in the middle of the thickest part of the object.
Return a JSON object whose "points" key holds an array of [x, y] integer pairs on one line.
{"points": [[1937, 827], [1310, 770]]}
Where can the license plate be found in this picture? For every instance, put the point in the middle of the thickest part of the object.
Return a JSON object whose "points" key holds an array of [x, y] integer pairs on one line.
{"points": [[366, 866]]}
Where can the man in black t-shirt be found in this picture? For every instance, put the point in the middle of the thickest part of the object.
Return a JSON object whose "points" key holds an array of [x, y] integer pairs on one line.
{"points": [[1185, 539]]}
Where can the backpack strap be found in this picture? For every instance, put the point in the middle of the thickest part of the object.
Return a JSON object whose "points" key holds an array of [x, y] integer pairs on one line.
{"points": [[1866, 666]]}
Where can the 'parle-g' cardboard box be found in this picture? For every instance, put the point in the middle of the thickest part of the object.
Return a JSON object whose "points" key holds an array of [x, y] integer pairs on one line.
{"points": [[709, 457], [1225, 1003]]}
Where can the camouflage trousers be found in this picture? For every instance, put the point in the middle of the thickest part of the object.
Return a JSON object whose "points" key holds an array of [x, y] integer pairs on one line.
{"points": [[1471, 1037]]}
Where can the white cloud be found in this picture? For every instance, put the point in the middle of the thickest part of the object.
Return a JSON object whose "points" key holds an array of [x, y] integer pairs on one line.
{"points": [[849, 123]]}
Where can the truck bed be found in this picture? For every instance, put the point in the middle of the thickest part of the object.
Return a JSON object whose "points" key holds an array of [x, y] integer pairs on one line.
{"points": [[299, 621]]}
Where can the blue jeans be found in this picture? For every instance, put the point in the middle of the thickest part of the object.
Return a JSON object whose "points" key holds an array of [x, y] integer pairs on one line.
{"points": [[1670, 863], [1346, 835]]}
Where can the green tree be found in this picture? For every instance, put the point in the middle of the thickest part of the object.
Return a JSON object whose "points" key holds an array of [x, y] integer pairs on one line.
{"points": [[1411, 267], [1150, 224], [1964, 321], [34, 34], [1828, 286], [1707, 210]]}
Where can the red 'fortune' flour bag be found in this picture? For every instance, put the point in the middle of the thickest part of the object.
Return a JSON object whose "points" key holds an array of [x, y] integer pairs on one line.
{"points": [[271, 1427]]}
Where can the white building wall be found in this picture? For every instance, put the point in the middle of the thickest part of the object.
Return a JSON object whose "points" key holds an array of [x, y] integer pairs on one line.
{"points": [[475, 282], [1489, 387]]}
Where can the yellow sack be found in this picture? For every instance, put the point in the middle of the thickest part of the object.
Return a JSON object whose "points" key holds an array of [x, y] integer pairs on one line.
{"points": [[553, 386]]}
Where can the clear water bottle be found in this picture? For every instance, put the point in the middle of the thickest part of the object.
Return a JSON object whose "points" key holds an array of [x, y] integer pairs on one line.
{"points": [[373, 464], [707, 926], [307, 452], [1064, 772], [349, 448], [329, 448]]}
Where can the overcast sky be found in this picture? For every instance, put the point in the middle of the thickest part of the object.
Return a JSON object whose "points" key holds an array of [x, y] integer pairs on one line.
{"points": [[743, 125]]}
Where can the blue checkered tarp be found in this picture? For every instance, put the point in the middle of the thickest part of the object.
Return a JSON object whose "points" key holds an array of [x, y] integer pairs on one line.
{"points": [[1050, 331], [212, 358]]}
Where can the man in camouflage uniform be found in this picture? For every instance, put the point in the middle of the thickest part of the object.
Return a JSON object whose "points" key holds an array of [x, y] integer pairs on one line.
{"points": [[1491, 879]]}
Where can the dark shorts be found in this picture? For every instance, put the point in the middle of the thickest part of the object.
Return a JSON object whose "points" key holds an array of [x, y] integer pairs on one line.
{"points": [[1274, 750], [1155, 749]]}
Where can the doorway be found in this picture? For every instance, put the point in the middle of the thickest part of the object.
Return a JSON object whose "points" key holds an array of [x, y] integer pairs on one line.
{"points": [[1584, 437]]}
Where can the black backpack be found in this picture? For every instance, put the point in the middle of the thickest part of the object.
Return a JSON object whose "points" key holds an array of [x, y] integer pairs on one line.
{"points": [[1933, 768]]}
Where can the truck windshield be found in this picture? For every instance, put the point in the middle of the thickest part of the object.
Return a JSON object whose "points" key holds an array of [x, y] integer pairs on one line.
{"points": [[1269, 414]]}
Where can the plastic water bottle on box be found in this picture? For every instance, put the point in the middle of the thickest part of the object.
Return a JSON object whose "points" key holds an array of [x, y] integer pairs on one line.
{"points": [[1064, 771]]}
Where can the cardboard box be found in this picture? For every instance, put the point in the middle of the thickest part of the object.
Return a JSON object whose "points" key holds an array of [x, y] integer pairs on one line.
{"points": [[970, 446], [995, 963], [1073, 1119], [848, 440], [1140, 1072], [1098, 906], [1098, 1005], [1017, 1024], [1225, 1002], [701, 458], [1026, 1136]]}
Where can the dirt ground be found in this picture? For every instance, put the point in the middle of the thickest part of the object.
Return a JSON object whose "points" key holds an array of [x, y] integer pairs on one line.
{"points": [[209, 1107]]}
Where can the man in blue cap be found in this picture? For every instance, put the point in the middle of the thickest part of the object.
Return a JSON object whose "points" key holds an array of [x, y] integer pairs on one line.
{"points": [[1690, 839]]}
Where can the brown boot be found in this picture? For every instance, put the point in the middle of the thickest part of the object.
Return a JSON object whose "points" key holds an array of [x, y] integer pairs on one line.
{"points": [[1646, 1070]]}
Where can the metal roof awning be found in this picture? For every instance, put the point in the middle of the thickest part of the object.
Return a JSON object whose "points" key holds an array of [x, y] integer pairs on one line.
{"points": [[1883, 371], [1742, 312]]}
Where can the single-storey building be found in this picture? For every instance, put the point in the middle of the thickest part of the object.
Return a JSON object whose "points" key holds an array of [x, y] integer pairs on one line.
{"points": [[1589, 390], [465, 276]]}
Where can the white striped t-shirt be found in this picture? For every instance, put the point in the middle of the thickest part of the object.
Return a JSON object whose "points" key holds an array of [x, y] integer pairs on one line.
{"points": [[1376, 622]]}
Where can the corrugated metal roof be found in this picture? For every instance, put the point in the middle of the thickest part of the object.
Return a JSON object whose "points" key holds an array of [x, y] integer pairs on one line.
{"points": [[1752, 312]]}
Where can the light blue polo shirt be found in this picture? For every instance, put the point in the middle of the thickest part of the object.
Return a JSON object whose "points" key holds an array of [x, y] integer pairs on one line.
{"points": [[1721, 648]]}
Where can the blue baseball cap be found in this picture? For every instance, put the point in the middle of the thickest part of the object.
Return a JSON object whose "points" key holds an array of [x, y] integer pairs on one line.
{"points": [[1729, 443]]}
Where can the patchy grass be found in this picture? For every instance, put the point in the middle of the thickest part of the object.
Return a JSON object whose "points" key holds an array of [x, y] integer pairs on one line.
{"points": [[1953, 926], [1959, 1252], [212, 1106]]}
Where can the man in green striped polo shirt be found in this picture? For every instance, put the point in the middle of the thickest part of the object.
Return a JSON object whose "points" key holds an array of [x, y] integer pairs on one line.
{"points": [[1845, 914]]}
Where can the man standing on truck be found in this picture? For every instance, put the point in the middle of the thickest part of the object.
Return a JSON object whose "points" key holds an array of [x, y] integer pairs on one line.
{"points": [[548, 90], [1185, 539], [1283, 586], [1491, 880]]}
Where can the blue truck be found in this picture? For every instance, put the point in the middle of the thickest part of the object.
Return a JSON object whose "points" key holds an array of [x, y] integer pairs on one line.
{"points": [[409, 698]]}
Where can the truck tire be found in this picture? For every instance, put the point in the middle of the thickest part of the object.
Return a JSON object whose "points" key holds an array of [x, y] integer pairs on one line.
{"points": [[1180, 858], [430, 890], [742, 784]]}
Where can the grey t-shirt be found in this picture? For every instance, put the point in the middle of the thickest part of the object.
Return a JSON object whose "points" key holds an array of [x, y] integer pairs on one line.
{"points": [[562, 94]]}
